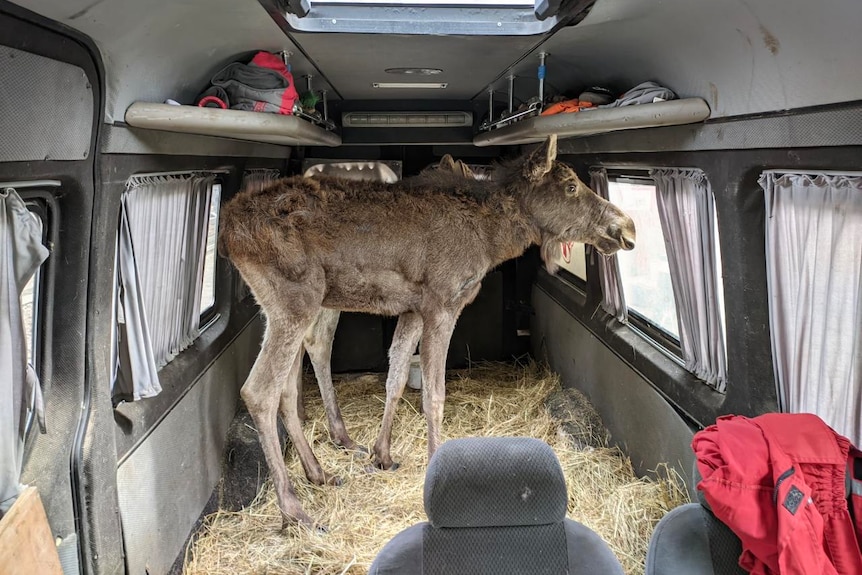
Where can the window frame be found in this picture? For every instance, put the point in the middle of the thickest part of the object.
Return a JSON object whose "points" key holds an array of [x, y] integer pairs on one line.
{"points": [[487, 18], [647, 329], [38, 206], [38, 199], [210, 315]]}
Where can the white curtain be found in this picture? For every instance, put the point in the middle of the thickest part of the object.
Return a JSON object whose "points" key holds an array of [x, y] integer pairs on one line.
{"points": [[613, 299], [21, 254], [687, 213], [814, 272], [161, 252]]}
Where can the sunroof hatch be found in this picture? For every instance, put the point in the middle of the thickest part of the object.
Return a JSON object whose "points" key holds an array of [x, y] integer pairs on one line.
{"points": [[429, 17]]}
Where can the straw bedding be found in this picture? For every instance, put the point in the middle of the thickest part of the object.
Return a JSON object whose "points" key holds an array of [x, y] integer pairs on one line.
{"points": [[370, 508]]}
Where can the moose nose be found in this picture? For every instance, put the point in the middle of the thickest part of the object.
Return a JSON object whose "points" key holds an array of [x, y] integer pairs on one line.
{"points": [[625, 237]]}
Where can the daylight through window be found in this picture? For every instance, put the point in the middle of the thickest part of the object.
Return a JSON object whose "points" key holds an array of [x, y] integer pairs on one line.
{"points": [[644, 271], [209, 275]]}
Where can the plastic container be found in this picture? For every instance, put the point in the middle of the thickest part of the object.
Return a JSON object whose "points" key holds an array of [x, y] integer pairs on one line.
{"points": [[414, 378]]}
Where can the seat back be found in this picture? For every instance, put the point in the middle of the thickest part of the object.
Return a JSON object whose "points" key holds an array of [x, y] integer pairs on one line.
{"points": [[690, 539], [496, 506]]}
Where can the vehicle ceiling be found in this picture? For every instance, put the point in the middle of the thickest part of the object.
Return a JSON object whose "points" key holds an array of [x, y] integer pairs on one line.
{"points": [[741, 57]]}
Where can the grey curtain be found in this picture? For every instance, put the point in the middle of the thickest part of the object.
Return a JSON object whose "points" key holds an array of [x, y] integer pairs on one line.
{"points": [[162, 246], [21, 254], [687, 213], [613, 299], [814, 274], [252, 179]]}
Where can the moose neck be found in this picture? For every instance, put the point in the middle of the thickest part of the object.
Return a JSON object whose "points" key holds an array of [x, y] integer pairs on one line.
{"points": [[512, 230]]}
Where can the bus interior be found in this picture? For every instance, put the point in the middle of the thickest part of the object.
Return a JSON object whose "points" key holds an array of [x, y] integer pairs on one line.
{"points": [[730, 132]]}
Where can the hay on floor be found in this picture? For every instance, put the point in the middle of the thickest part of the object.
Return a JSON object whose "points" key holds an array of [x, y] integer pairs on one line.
{"points": [[370, 508]]}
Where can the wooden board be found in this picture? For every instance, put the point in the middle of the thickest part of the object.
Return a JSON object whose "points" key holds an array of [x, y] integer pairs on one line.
{"points": [[26, 544]]}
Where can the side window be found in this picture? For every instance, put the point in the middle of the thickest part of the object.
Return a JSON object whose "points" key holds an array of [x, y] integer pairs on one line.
{"points": [[208, 295], [573, 259], [30, 296], [166, 273], [644, 272], [813, 256], [671, 282], [24, 226]]}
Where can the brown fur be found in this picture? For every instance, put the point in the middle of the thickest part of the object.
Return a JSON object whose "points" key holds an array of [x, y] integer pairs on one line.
{"points": [[417, 248], [319, 337]]}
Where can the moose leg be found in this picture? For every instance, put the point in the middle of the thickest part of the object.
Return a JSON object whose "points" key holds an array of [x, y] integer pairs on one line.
{"points": [[287, 407], [318, 344], [300, 400], [436, 334], [404, 342], [261, 394]]}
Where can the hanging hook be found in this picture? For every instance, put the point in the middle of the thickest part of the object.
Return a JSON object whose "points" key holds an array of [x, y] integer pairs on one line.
{"points": [[285, 57]]}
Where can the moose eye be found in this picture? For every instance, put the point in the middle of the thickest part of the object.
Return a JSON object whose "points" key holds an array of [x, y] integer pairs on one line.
{"points": [[571, 189]]}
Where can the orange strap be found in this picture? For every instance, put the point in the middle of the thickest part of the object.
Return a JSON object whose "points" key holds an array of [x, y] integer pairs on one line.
{"points": [[567, 107]]}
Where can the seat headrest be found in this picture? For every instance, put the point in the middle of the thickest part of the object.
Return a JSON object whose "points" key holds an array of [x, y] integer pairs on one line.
{"points": [[494, 482]]}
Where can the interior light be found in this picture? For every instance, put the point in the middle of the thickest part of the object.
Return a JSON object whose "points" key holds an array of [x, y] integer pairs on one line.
{"points": [[416, 71], [408, 85]]}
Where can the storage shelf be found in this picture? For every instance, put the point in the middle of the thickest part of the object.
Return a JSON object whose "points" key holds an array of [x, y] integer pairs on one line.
{"points": [[597, 121], [238, 124]]}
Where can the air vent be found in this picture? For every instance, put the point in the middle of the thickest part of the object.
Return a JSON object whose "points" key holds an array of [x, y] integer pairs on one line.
{"points": [[406, 119]]}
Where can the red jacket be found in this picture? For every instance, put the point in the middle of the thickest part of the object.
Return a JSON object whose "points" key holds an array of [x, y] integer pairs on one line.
{"points": [[778, 481]]}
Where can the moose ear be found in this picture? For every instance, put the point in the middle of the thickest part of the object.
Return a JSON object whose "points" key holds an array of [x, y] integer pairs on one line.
{"points": [[447, 163], [542, 159]]}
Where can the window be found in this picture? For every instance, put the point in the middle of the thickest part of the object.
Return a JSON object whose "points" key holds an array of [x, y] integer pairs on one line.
{"points": [[23, 227], [669, 286], [208, 297], [814, 276], [644, 271], [438, 17], [573, 259], [29, 300], [163, 280], [30, 294]]}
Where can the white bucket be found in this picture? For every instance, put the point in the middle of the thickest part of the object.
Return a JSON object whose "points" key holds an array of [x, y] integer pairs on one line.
{"points": [[414, 378]]}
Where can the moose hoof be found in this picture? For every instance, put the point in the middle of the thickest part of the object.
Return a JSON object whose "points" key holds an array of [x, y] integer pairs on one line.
{"points": [[303, 521], [324, 479], [358, 450], [335, 481], [386, 465]]}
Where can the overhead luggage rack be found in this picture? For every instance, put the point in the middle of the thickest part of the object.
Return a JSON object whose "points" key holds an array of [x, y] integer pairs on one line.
{"points": [[238, 124], [597, 121]]}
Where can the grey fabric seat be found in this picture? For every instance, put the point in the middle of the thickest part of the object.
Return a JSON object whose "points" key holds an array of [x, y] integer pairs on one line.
{"points": [[496, 506], [691, 540]]}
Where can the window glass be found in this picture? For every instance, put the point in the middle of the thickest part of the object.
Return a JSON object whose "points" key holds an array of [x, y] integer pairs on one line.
{"points": [[435, 17], [30, 294], [573, 259], [719, 272], [477, 3], [28, 314], [644, 271], [209, 275]]}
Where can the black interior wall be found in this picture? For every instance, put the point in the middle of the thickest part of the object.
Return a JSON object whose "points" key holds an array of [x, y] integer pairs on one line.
{"points": [[64, 368], [650, 403], [739, 202], [114, 432]]}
